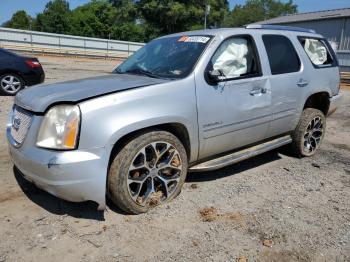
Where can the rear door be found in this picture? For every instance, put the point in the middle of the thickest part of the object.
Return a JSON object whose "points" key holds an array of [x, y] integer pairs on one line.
{"points": [[287, 79], [235, 111]]}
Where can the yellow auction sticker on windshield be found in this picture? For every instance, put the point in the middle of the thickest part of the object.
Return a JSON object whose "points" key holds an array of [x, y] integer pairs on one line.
{"points": [[194, 39]]}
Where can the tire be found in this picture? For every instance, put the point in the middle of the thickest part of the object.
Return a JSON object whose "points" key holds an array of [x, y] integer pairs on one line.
{"points": [[134, 170], [309, 133], [10, 84]]}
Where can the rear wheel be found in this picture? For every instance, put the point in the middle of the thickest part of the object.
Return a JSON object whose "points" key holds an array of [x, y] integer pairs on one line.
{"points": [[309, 134], [10, 84], [149, 170]]}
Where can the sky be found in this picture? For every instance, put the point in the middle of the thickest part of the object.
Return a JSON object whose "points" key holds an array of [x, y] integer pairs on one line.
{"points": [[32, 7]]}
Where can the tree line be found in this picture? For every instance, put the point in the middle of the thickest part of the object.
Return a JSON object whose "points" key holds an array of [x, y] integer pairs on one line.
{"points": [[143, 20]]}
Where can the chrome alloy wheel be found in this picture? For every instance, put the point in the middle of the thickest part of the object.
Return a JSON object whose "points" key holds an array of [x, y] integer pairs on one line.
{"points": [[154, 174], [313, 134], [11, 84]]}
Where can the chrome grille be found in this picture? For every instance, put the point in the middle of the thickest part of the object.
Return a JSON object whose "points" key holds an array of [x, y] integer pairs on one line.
{"points": [[21, 121]]}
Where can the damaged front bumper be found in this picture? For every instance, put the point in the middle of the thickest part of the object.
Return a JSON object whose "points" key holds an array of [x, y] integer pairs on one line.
{"points": [[77, 175]]}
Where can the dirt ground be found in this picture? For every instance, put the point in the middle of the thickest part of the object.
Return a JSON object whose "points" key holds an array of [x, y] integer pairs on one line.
{"points": [[273, 207]]}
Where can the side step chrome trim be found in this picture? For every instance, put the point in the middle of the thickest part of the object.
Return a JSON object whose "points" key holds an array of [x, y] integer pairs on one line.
{"points": [[240, 155]]}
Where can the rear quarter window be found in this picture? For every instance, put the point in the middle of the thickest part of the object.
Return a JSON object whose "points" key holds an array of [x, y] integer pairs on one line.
{"points": [[319, 52], [282, 56]]}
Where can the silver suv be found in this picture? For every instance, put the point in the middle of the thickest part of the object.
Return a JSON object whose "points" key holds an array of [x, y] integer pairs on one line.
{"points": [[193, 101]]}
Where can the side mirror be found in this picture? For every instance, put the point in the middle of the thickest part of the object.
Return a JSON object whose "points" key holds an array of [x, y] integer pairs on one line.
{"points": [[215, 75]]}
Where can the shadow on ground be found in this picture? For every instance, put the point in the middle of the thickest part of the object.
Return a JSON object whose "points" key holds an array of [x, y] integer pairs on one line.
{"points": [[88, 210]]}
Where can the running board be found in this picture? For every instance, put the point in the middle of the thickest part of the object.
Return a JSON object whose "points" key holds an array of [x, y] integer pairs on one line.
{"points": [[240, 155]]}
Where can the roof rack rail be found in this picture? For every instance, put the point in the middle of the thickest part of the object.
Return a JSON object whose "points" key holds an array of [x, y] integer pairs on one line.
{"points": [[280, 27]]}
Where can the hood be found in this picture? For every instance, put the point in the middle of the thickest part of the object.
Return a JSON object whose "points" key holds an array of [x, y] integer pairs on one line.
{"points": [[39, 98]]}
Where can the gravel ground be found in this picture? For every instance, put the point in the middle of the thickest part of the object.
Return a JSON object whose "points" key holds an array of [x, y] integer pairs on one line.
{"points": [[273, 207]]}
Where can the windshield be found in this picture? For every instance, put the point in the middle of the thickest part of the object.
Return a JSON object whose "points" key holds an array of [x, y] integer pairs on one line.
{"points": [[170, 57]]}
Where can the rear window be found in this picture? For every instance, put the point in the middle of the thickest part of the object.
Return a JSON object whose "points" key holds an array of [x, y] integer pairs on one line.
{"points": [[282, 56], [317, 50], [4, 52]]}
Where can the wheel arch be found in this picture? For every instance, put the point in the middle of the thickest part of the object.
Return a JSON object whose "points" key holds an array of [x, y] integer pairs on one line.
{"points": [[10, 71], [177, 129], [319, 100]]}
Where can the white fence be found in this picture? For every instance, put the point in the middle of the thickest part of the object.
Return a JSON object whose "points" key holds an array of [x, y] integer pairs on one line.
{"points": [[39, 42]]}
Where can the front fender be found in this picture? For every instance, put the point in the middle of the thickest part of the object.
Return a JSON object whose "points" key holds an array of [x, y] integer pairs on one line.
{"points": [[108, 118]]}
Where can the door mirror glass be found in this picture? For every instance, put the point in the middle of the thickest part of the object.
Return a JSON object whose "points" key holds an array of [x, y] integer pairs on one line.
{"points": [[216, 75]]}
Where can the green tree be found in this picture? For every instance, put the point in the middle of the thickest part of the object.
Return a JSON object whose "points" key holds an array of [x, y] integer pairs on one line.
{"points": [[128, 32], [259, 10], [218, 13], [127, 25], [93, 19], [54, 18], [133, 20], [126, 10], [100, 18], [19, 20], [168, 16]]}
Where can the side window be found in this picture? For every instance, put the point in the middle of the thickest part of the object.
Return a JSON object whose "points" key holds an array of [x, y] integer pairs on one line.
{"points": [[236, 57], [317, 51], [281, 53]]}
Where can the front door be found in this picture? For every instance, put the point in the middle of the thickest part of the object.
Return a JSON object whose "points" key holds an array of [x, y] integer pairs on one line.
{"points": [[235, 111]]}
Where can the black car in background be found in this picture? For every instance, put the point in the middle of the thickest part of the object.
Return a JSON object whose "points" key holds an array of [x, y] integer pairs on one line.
{"points": [[17, 71]]}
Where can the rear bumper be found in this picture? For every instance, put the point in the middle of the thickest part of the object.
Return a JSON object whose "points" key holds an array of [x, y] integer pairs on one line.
{"points": [[75, 176], [335, 102], [34, 77]]}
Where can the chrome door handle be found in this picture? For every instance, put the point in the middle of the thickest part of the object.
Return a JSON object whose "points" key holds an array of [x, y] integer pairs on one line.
{"points": [[257, 91], [302, 83]]}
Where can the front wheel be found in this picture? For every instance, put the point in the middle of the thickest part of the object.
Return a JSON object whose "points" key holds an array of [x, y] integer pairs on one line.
{"points": [[309, 134], [149, 170]]}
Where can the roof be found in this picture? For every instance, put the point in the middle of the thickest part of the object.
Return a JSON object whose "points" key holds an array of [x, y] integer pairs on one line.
{"points": [[226, 32], [321, 15]]}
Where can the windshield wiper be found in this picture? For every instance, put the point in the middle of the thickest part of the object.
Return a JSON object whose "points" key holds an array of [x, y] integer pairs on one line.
{"points": [[140, 71]]}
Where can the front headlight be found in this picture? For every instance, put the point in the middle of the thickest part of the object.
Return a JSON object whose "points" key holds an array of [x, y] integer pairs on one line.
{"points": [[60, 128]]}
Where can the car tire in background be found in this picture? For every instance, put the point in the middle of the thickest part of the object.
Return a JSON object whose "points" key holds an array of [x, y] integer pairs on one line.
{"points": [[10, 84], [309, 133], [149, 170]]}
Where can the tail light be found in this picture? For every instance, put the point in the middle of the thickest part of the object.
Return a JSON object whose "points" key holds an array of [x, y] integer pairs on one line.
{"points": [[33, 64]]}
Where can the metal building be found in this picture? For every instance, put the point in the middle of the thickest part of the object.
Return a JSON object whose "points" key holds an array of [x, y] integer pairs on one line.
{"points": [[332, 24]]}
